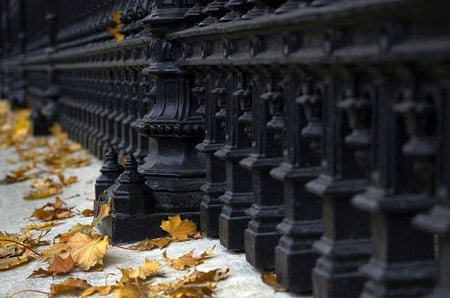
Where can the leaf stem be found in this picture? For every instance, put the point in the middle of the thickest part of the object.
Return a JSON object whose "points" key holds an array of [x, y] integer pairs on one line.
{"points": [[21, 244]]}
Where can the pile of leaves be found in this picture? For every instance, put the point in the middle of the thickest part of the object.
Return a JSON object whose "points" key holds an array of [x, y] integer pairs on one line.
{"points": [[45, 157], [80, 248]]}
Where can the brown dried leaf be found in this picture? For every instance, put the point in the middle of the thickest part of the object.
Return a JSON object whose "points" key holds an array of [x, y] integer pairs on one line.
{"points": [[69, 285], [271, 280], [51, 211], [187, 260], [59, 266], [152, 243], [180, 229]]}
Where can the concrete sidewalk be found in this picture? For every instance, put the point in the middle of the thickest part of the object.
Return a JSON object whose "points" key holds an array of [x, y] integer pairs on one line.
{"points": [[243, 280]]}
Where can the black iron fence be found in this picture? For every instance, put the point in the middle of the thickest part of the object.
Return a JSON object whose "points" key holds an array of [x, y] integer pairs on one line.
{"points": [[313, 135]]}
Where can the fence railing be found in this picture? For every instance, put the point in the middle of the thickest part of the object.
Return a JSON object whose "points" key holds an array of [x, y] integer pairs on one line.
{"points": [[312, 135]]}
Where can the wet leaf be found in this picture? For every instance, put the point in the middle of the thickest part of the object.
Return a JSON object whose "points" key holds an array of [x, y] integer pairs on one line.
{"points": [[69, 285], [187, 260], [271, 280], [152, 243], [180, 229]]}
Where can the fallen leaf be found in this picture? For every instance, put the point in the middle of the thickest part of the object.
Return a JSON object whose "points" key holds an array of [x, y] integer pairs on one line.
{"points": [[150, 268], [180, 229], [66, 181], [187, 260], [127, 290], [114, 30], [7, 263], [152, 243], [191, 291], [101, 290], [87, 251], [51, 252], [51, 211], [271, 280], [87, 212], [41, 226], [69, 285], [44, 188], [103, 213], [59, 266]]}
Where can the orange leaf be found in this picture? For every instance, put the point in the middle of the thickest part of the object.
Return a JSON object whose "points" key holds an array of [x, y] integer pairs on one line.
{"points": [[59, 266], [180, 229], [271, 280], [68, 286]]}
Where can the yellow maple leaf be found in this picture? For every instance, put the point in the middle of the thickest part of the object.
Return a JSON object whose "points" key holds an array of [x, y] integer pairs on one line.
{"points": [[187, 260], [180, 229], [87, 251]]}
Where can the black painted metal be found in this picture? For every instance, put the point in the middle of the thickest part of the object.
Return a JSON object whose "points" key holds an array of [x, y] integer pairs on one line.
{"points": [[276, 125]]}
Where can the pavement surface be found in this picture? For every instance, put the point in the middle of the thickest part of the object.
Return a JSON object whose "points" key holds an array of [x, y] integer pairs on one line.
{"points": [[243, 280]]}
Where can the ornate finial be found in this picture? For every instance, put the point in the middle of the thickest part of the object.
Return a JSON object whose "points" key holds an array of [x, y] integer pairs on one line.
{"points": [[131, 174], [111, 165]]}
